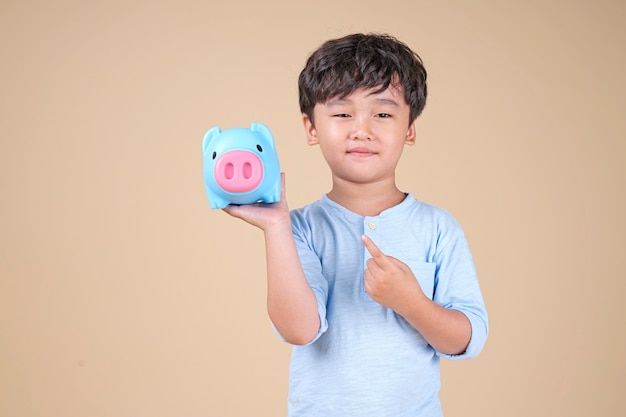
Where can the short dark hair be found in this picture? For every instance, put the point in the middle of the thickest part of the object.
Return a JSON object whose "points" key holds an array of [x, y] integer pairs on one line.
{"points": [[341, 66]]}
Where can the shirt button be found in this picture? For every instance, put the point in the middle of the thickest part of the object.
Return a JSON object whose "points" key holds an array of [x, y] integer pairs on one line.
{"points": [[372, 226]]}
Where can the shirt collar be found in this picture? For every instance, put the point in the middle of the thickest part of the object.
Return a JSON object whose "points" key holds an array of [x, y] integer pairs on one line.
{"points": [[391, 211]]}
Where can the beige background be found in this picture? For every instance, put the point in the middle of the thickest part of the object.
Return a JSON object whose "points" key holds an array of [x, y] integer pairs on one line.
{"points": [[123, 294]]}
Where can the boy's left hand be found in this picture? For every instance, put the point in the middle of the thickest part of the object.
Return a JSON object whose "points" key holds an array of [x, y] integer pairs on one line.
{"points": [[389, 281]]}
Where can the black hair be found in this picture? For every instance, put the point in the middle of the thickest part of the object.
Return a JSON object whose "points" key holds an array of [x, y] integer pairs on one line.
{"points": [[341, 66]]}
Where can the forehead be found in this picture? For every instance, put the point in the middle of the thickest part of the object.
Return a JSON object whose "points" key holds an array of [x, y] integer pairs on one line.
{"points": [[392, 96]]}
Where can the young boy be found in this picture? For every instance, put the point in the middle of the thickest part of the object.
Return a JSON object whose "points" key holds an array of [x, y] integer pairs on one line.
{"points": [[370, 285]]}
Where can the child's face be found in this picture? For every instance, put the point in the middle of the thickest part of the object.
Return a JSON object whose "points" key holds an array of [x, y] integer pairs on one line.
{"points": [[362, 135]]}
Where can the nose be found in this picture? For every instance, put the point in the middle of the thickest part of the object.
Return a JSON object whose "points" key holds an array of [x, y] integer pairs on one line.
{"points": [[361, 129], [238, 171]]}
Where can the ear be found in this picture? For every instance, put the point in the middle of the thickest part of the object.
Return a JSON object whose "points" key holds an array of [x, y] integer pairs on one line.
{"points": [[209, 136], [410, 135], [311, 132], [264, 131]]}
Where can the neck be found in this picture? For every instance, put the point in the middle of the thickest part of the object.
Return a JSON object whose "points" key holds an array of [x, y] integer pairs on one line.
{"points": [[366, 199]]}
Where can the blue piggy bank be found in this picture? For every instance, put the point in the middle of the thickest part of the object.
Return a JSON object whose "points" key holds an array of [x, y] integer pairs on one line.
{"points": [[240, 166]]}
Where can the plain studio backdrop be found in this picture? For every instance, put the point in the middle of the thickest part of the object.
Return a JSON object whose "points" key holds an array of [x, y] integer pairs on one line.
{"points": [[123, 294]]}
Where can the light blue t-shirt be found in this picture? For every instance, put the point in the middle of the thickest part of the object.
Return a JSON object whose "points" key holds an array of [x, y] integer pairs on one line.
{"points": [[367, 360]]}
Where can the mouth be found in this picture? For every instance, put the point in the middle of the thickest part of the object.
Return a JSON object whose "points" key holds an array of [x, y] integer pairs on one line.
{"points": [[361, 152]]}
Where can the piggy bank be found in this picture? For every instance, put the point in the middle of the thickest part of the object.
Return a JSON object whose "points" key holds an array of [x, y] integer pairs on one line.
{"points": [[240, 166]]}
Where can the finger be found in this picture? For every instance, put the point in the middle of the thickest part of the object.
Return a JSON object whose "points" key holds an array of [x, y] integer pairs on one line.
{"points": [[373, 268], [233, 210], [371, 247]]}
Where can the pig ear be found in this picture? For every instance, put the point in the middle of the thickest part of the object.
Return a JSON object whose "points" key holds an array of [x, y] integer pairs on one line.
{"points": [[209, 136], [264, 131]]}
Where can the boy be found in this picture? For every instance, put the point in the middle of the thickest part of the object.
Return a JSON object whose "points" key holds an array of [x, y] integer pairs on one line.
{"points": [[370, 285]]}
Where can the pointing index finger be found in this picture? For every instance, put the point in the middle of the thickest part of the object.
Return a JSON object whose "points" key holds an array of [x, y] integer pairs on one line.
{"points": [[371, 247]]}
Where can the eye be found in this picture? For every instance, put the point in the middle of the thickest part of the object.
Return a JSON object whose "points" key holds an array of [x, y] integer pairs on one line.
{"points": [[383, 115], [259, 148], [341, 115], [214, 155]]}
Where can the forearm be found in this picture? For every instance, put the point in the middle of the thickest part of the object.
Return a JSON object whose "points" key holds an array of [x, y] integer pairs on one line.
{"points": [[446, 330], [291, 303]]}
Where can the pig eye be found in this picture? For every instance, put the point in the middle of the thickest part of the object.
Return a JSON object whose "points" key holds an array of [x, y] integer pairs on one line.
{"points": [[259, 148], [214, 155]]}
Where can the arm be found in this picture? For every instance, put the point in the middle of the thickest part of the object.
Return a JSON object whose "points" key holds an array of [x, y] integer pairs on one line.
{"points": [[391, 283], [291, 303]]}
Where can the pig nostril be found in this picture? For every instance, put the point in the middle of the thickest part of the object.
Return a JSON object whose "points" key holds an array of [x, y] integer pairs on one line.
{"points": [[229, 171], [247, 170], [238, 171]]}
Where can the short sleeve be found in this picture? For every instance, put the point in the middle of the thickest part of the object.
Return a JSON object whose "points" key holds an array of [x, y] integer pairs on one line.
{"points": [[312, 268], [457, 287]]}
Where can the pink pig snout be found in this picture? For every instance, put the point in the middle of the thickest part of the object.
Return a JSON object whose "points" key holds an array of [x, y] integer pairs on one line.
{"points": [[238, 171]]}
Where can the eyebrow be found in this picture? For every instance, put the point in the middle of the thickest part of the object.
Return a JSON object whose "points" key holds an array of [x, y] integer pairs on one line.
{"points": [[336, 102], [387, 101], [341, 101]]}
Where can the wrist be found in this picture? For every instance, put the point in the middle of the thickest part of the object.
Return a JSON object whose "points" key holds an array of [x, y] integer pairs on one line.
{"points": [[412, 303], [279, 225]]}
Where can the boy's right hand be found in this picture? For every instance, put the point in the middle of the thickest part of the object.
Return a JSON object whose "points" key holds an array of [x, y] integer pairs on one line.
{"points": [[263, 215]]}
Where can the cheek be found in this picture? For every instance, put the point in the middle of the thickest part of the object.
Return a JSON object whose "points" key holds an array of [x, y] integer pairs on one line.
{"points": [[332, 131], [329, 151], [332, 154]]}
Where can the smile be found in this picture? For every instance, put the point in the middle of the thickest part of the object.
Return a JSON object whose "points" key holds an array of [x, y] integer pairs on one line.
{"points": [[361, 152]]}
